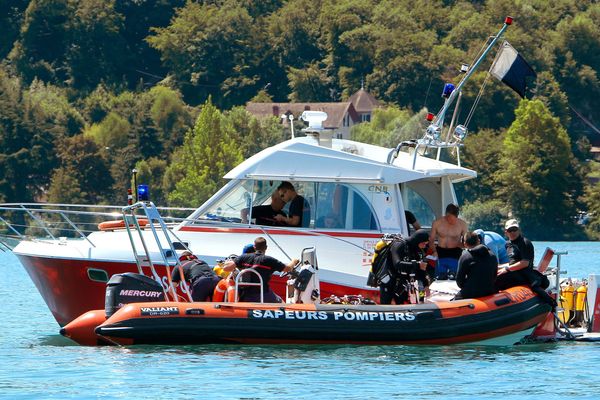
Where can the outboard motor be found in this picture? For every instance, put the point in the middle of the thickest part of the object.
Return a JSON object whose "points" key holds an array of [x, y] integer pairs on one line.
{"points": [[128, 288], [303, 285]]}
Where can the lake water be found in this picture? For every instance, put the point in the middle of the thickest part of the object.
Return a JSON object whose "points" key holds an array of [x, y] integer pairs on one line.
{"points": [[36, 362]]}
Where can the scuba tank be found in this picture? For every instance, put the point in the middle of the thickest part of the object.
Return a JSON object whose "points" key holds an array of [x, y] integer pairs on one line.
{"points": [[566, 301], [580, 299]]}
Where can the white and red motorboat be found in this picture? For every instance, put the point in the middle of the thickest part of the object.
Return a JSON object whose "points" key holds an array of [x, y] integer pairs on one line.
{"points": [[351, 179]]}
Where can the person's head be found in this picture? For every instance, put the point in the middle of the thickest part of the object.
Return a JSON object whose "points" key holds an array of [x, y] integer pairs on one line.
{"points": [[249, 248], [330, 221], [187, 255], [286, 191], [277, 202], [452, 211], [419, 239], [260, 244], [471, 239], [512, 229]]}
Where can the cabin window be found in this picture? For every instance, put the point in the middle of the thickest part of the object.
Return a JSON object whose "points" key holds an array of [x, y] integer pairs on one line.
{"points": [[419, 206], [343, 207], [334, 206]]}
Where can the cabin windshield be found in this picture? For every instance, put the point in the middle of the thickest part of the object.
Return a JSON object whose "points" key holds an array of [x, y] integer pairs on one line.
{"points": [[326, 205]]}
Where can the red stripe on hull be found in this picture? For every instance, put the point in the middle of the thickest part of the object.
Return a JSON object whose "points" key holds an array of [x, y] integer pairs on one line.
{"points": [[277, 232]]}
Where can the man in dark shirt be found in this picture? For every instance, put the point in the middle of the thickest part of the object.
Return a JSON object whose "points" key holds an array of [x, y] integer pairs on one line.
{"points": [[519, 270], [477, 269], [199, 275], [520, 252], [299, 211], [265, 266], [265, 215]]}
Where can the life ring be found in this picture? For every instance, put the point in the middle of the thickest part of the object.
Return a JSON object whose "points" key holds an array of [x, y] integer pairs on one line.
{"points": [[223, 287], [119, 224]]}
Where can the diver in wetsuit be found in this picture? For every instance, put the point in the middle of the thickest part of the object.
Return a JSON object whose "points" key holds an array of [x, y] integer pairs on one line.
{"points": [[477, 269], [404, 260]]}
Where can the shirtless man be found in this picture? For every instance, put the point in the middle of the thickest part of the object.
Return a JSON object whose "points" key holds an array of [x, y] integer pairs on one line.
{"points": [[448, 230]]}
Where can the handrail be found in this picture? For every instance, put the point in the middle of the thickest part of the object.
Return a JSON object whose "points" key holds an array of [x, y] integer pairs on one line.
{"points": [[153, 217], [259, 283]]}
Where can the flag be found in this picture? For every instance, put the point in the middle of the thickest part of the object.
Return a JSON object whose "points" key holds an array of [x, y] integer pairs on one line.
{"points": [[512, 69]]}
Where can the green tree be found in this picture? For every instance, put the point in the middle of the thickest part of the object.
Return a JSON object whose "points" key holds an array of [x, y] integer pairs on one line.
{"points": [[310, 84], [592, 199], [481, 153], [41, 49], [209, 151], [537, 176], [208, 50], [96, 49], [252, 134], [11, 18], [170, 115], [83, 175], [488, 215]]}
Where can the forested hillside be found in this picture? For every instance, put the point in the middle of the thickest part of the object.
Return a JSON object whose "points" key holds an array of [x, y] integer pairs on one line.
{"points": [[90, 89]]}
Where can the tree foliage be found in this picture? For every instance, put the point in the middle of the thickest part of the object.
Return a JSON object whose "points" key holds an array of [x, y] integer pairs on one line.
{"points": [[537, 170], [209, 151], [130, 75]]}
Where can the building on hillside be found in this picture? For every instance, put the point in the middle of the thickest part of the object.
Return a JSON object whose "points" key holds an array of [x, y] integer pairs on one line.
{"points": [[341, 117], [364, 103]]}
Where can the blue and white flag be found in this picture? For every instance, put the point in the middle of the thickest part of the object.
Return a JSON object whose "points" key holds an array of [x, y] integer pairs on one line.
{"points": [[512, 69]]}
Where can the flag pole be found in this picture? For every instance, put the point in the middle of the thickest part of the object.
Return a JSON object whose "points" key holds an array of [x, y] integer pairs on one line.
{"points": [[439, 120]]}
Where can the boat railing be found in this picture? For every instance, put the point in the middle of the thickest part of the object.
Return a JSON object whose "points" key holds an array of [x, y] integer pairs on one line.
{"points": [[59, 222], [239, 282]]}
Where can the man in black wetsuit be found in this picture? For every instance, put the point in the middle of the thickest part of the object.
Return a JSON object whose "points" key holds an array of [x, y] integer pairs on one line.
{"points": [[265, 266], [477, 269], [299, 211], [404, 260], [201, 278]]}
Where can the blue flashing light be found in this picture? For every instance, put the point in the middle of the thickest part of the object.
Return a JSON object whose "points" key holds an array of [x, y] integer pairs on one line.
{"points": [[448, 89], [143, 193]]}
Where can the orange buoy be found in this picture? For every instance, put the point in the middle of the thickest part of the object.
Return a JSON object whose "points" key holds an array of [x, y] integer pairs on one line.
{"points": [[119, 224]]}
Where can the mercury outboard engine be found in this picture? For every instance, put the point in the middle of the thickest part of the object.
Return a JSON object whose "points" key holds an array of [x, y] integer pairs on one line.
{"points": [[128, 288]]}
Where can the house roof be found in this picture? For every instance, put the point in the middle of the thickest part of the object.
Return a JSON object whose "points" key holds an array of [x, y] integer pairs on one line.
{"points": [[335, 111], [363, 101]]}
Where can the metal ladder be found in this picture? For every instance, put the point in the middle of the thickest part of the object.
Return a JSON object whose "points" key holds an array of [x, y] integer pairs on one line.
{"points": [[168, 254]]}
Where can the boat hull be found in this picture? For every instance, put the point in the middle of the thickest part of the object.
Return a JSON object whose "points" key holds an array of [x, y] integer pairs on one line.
{"points": [[464, 321], [66, 286]]}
